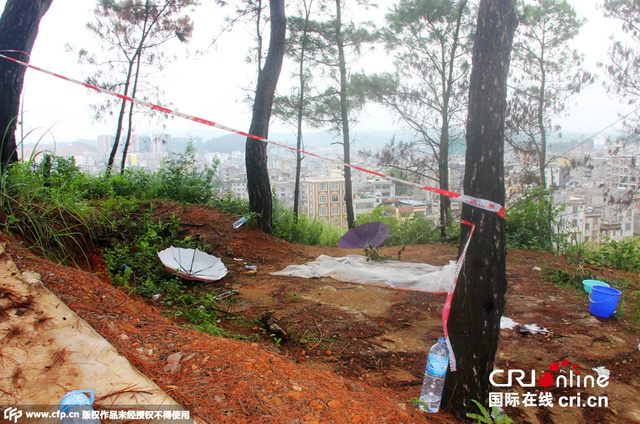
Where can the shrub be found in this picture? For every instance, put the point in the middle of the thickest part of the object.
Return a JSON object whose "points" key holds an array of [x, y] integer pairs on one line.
{"points": [[41, 202], [531, 221], [624, 255], [181, 179], [417, 229]]}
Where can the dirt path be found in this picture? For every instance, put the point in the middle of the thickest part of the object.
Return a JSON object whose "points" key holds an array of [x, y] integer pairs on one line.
{"points": [[354, 353]]}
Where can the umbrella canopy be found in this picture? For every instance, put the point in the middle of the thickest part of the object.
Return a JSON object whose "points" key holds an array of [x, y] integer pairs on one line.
{"points": [[371, 233], [192, 264]]}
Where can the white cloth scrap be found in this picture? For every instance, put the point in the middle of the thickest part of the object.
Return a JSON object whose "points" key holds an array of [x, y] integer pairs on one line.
{"points": [[506, 322]]}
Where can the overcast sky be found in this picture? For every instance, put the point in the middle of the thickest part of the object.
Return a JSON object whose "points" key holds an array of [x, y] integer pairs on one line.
{"points": [[211, 87]]}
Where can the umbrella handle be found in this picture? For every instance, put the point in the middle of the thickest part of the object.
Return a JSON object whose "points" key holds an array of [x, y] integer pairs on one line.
{"points": [[193, 258]]}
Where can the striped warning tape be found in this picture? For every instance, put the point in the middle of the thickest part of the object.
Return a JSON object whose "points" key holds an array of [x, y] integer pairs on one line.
{"points": [[473, 201], [447, 304]]}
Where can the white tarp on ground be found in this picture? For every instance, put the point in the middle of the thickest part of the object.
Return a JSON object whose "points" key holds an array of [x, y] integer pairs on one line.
{"points": [[48, 350], [356, 269]]}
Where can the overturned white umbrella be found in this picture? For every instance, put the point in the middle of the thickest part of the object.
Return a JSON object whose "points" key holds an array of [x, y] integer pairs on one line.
{"points": [[192, 264]]}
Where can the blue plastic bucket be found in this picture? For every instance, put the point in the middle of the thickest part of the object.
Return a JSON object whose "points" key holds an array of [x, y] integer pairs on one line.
{"points": [[604, 301], [588, 284]]}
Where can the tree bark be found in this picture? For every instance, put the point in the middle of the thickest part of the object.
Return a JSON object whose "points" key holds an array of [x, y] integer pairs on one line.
{"points": [[344, 114], [258, 185], [296, 190], [479, 298], [123, 106], [127, 142], [18, 30], [447, 92]]}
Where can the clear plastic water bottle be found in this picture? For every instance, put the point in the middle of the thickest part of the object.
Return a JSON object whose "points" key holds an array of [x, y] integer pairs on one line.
{"points": [[433, 383], [76, 407], [239, 222]]}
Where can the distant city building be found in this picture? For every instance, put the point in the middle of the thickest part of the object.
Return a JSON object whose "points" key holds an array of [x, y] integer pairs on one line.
{"points": [[325, 199], [405, 208], [558, 173], [600, 142], [598, 181], [622, 173]]}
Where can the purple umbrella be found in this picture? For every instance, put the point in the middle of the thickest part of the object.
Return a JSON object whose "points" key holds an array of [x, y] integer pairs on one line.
{"points": [[371, 233]]}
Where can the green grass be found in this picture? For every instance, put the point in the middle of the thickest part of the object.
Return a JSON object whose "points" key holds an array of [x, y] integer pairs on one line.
{"points": [[629, 303], [44, 209]]}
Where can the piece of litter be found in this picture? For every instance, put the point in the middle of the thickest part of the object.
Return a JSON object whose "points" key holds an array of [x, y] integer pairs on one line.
{"points": [[602, 371], [506, 322], [537, 268], [173, 363], [533, 329], [497, 413]]}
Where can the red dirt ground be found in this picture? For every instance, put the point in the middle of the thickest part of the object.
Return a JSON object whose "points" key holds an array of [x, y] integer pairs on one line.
{"points": [[355, 354]]}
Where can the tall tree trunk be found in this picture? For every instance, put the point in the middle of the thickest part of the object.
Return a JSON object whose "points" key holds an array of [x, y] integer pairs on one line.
{"points": [[136, 57], [344, 113], [447, 88], [542, 149], [123, 107], [127, 142], [18, 30], [296, 190], [258, 185], [443, 169], [479, 298]]}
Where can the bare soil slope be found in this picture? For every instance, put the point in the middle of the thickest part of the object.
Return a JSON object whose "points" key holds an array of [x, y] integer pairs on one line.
{"points": [[352, 353]]}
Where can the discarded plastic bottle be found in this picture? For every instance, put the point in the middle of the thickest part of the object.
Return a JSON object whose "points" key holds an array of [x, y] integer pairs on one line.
{"points": [[239, 222], [76, 407], [433, 383]]}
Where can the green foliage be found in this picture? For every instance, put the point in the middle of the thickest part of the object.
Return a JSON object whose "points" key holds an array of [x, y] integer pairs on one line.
{"points": [[416, 402], [623, 62], [531, 221], [632, 305], [624, 255], [568, 277], [304, 230], [42, 203], [133, 263], [180, 178], [416, 229], [549, 73], [486, 417], [232, 205], [629, 305]]}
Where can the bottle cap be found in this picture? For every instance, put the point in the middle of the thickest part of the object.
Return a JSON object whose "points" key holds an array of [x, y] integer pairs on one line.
{"points": [[442, 339]]}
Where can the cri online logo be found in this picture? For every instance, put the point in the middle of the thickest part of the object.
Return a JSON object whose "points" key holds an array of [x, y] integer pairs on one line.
{"points": [[546, 379]]}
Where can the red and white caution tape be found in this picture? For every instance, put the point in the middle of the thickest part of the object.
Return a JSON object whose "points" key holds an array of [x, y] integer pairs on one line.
{"points": [[447, 304], [473, 201]]}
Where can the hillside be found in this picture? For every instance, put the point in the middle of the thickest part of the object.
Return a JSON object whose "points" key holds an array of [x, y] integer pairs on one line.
{"points": [[353, 353]]}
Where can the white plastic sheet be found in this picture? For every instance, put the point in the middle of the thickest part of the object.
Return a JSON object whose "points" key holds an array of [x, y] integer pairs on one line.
{"points": [[356, 269]]}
